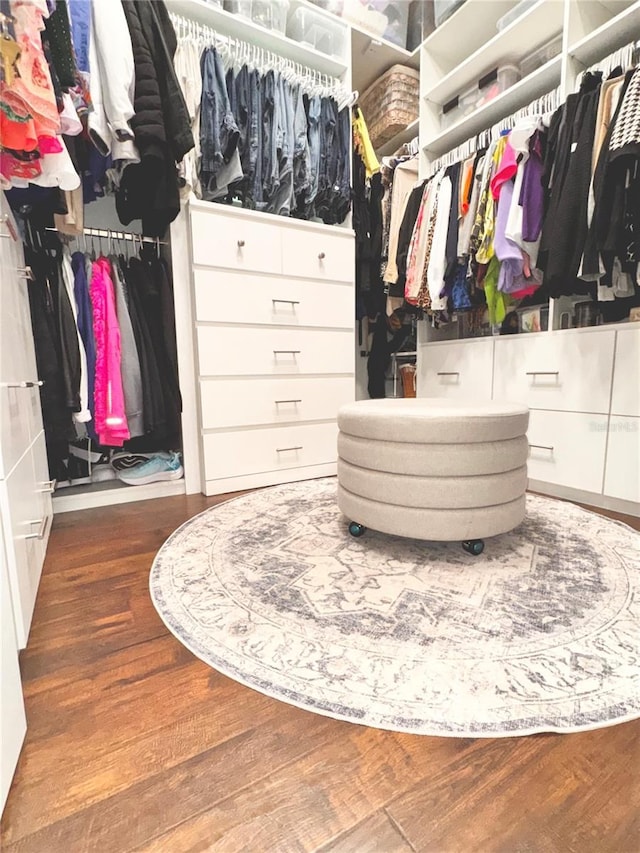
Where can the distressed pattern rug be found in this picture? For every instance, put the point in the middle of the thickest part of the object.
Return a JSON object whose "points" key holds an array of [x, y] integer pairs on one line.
{"points": [[539, 633]]}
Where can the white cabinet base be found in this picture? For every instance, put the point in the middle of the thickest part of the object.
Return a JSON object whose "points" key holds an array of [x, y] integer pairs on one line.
{"points": [[580, 497], [268, 478]]}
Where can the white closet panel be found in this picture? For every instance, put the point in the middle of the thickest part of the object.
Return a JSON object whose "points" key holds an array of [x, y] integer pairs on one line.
{"points": [[625, 398], [252, 402], [234, 454], [567, 448], [622, 476], [564, 371], [233, 297], [234, 242], [318, 254], [458, 370], [229, 350]]}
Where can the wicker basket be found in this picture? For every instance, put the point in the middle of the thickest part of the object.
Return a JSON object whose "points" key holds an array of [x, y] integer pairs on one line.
{"points": [[391, 103]]}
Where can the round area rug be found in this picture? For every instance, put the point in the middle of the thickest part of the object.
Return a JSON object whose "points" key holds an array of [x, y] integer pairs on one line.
{"points": [[539, 633]]}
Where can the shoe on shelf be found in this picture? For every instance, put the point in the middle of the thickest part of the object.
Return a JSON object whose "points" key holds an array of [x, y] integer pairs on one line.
{"points": [[84, 448], [158, 467], [125, 461]]}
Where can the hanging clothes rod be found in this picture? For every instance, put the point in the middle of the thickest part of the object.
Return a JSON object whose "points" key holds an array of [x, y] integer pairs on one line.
{"points": [[238, 51], [626, 57], [107, 233], [540, 106]]}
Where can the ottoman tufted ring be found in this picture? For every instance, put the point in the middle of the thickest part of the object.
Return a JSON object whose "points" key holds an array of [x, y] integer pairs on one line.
{"points": [[431, 468]]}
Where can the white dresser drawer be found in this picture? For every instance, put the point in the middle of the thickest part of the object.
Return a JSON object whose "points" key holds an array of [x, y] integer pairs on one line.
{"points": [[457, 370], [625, 398], [567, 371], [232, 297], [238, 351], [567, 449], [313, 254], [232, 242], [234, 454], [227, 403], [622, 473]]}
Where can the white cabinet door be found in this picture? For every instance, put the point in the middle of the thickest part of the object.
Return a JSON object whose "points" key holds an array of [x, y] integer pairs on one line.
{"points": [[20, 417], [460, 370], [234, 242], [237, 351], [232, 297], [234, 454], [26, 519], [13, 722], [228, 403], [563, 371], [567, 449], [625, 398], [318, 254], [622, 475]]}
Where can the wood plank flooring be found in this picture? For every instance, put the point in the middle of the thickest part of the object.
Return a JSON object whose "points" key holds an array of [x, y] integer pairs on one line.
{"points": [[135, 745]]}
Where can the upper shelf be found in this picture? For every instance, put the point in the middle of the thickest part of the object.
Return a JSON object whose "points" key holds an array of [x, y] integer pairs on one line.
{"points": [[405, 135], [536, 84], [621, 29], [536, 26], [372, 55], [470, 27], [226, 23]]}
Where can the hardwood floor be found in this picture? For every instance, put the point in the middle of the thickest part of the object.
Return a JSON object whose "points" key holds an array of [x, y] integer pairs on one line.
{"points": [[133, 744]]}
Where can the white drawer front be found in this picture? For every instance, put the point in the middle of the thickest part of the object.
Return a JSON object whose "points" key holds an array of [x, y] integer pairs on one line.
{"points": [[625, 399], [229, 351], [567, 449], [622, 474], [568, 371], [318, 255], [250, 402], [457, 370], [235, 243], [232, 297], [233, 454]]}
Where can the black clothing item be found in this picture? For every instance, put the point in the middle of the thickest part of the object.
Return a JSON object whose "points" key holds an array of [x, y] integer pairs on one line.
{"points": [[59, 37], [149, 189], [380, 356], [152, 395], [367, 224], [56, 415], [564, 232], [404, 238], [452, 232]]}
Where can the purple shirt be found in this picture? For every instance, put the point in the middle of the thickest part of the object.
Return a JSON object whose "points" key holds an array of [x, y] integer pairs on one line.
{"points": [[531, 193]]}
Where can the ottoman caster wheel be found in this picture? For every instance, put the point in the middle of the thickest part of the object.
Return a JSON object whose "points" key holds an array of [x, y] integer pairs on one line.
{"points": [[473, 546], [356, 529]]}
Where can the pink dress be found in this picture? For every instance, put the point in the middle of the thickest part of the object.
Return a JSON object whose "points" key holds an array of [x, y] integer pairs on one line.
{"points": [[110, 420]]}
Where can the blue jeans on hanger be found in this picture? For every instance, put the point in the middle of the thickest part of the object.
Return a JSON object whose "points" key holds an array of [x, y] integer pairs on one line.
{"points": [[255, 140], [218, 129], [270, 167], [313, 118], [281, 201]]}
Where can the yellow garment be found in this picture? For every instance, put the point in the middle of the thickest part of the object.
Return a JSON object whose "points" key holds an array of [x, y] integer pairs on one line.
{"points": [[362, 143], [497, 301], [485, 249]]}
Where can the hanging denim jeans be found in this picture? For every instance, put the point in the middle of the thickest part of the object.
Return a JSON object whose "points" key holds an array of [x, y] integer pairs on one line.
{"points": [[218, 129]]}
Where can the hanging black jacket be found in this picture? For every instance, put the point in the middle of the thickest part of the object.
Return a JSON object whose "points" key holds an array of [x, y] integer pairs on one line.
{"points": [[149, 189]]}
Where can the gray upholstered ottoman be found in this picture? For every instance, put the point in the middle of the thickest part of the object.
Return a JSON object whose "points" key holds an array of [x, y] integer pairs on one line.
{"points": [[435, 469]]}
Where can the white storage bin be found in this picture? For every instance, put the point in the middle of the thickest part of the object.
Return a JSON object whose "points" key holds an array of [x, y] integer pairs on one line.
{"points": [[270, 14], [239, 7], [541, 56], [479, 93], [513, 14], [316, 30]]}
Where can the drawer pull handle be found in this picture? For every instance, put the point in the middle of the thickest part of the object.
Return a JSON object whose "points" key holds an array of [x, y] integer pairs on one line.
{"points": [[48, 487], [286, 449], [26, 272], [321, 256], [542, 373], [292, 352], [541, 447], [42, 530], [282, 402], [286, 301], [240, 244], [448, 373], [37, 384]]}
